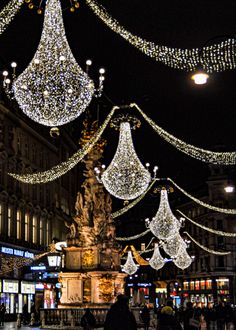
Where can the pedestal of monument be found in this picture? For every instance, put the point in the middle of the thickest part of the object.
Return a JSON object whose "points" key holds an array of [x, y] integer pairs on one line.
{"points": [[92, 278]]}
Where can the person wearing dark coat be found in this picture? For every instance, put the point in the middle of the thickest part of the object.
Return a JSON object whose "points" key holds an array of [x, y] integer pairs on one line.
{"points": [[188, 314], [88, 320], [167, 321], [119, 316], [145, 316]]}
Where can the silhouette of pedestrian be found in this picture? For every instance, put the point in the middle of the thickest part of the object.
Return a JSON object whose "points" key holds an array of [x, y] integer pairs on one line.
{"points": [[88, 320], [119, 317], [2, 314], [145, 316]]}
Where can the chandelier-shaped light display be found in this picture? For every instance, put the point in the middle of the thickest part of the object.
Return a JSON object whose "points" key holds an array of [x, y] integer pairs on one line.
{"points": [[183, 260], [156, 261], [53, 90], [164, 225], [126, 178], [130, 266], [172, 246]]}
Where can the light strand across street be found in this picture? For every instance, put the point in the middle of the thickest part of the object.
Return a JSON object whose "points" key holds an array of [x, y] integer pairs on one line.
{"points": [[8, 13]]}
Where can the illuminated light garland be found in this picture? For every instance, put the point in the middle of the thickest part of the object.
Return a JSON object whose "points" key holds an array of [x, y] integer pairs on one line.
{"points": [[156, 261], [217, 57], [130, 266], [125, 178], [182, 260], [138, 258], [134, 202], [219, 158], [8, 13], [53, 90], [172, 246], [9, 264], [205, 248], [60, 169], [213, 231], [130, 238], [164, 224], [208, 206]]}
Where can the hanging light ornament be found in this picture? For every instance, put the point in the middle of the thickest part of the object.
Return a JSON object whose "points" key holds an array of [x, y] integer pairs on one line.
{"points": [[164, 225], [172, 246], [156, 261], [126, 178], [53, 90], [130, 266], [183, 260]]}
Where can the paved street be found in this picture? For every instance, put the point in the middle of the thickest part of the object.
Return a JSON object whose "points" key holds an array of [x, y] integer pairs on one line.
{"points": [[12, 325]]}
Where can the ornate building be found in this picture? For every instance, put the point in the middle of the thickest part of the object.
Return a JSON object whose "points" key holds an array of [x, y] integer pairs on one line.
{"points": [[211, 278], [30, 215]]}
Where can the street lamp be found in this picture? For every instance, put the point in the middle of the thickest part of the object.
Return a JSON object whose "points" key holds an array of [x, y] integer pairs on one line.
{"points": [[200, 77], [229, 188], [54, 259]]}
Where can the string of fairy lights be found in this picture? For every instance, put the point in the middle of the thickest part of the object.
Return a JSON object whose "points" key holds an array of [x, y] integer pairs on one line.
{"points": [[218, 158], [214, 58], [219, 253], [8, 13], [211, 230], [59, 170]]}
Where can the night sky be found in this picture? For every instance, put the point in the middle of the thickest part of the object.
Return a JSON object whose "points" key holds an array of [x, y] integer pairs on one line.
{"points": [[201, 115]]}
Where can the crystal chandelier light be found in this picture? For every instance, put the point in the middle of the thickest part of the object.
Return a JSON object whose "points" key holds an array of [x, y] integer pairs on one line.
{"points": [[183, 260], [156, 261], [53, 90], [130, 266], [126, 178], [172, 246], [164, 225]]}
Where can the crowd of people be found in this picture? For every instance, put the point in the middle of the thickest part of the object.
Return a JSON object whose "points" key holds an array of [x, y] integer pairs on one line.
{"points": [[168, 317]]}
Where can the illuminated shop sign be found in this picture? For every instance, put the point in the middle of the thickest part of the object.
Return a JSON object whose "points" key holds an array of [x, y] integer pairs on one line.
{"points": [[10, 286], [144, 284], [27, 287], [17, 252], [38, 267]]}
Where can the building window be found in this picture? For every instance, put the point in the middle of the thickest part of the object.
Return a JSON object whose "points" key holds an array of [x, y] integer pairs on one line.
{"points": [[41, 231], [1, 219], [9, 222], [47, 233], [18, 224], [27, 227], [34, 229], [221, 261]]}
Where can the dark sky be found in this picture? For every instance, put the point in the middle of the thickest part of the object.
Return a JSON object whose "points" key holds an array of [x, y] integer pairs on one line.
{"points": [[201, 115]]}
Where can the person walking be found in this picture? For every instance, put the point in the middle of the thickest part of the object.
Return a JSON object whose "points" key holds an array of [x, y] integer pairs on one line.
{"points": [[88, 321], [2, 314], [167, 320], [119, 316], [145, 316]]}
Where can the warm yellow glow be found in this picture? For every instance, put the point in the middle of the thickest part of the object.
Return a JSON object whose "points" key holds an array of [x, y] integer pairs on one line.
{"points": [[200, 78]]}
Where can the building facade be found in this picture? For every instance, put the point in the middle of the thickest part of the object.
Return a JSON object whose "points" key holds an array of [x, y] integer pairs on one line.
{"points": [[211, 278], [30, 215]]}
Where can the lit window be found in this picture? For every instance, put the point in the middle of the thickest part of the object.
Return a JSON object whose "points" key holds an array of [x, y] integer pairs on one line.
{"points": [[34, 229], [47, 233], [41, 231], [27, 227], [18, 224], [1, 218], [9, 222]]}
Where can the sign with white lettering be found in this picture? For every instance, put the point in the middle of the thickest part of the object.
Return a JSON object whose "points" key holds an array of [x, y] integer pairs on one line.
{"points": [[27, 287], [10, 286], [17, 252]]}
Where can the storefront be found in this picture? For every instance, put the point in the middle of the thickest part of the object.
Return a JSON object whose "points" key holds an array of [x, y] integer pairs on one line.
{"points": [[205, 292], [15, 294]]}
